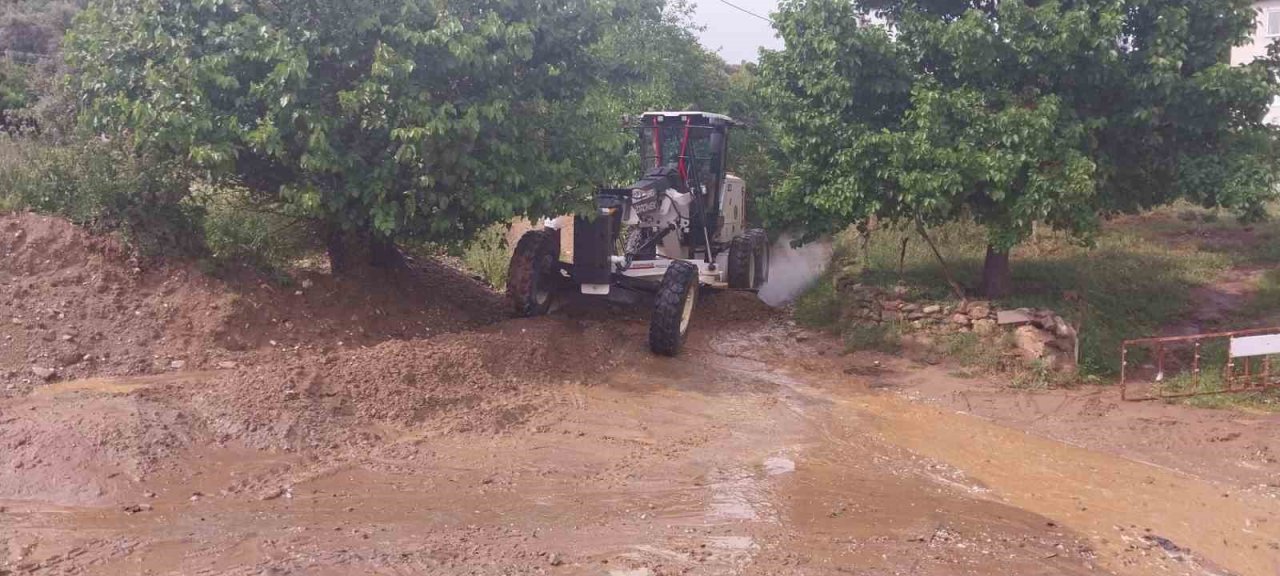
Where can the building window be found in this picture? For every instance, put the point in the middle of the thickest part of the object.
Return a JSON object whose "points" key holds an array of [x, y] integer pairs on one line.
{"points": [[1272, 23]]}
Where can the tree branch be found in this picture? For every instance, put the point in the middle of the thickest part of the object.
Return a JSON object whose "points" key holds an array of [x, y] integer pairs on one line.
{"points": [[902, 256], [946, 270]]}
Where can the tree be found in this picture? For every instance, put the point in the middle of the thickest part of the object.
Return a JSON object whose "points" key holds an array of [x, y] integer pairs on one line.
{"points": [[378, 118], [1012, 113]]}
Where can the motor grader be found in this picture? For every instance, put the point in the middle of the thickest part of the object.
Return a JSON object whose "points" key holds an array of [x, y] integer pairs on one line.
{"points": [[680, 228]]}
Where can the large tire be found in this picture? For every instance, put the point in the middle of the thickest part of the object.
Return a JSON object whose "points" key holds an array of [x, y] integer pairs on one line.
{"points": [[673, 308], [531, 275], [742, 263], [761, 240]]}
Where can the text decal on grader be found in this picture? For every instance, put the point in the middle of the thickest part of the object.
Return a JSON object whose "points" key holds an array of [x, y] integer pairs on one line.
{"points": [[1199, 364]]}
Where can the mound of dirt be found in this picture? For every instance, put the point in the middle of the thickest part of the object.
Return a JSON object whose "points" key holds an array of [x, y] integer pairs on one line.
{"points": [[733, 306], [85, 450], [74, 305], [479, 382]]}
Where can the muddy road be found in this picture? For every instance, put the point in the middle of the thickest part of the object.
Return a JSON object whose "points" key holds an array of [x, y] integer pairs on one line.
{"points": [[751, 454], [154, 420]]}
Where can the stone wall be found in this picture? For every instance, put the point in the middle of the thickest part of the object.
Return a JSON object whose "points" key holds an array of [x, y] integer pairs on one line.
{"points": [[1033, 334]]}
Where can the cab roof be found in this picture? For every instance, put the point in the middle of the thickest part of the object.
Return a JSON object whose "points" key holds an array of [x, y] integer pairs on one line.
{"points": [[711, 117]]}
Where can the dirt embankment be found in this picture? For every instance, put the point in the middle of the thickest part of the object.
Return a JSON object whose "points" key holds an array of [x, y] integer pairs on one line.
{"points": [[74, 305], [126, 367], [107, 368]]}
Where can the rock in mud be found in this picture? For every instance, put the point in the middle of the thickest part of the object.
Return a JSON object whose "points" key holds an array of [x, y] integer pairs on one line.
{"points": [[136, 508], [70, 358], [44, 373]]}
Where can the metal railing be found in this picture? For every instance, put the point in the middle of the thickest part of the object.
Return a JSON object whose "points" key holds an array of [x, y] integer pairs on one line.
{"points": [[1201, 364]]}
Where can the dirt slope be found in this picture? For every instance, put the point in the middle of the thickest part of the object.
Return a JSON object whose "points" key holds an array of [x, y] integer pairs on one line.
{"points": [[74, 305]]}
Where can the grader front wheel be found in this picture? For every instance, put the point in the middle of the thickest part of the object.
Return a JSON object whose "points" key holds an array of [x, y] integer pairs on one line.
{"points": [[673, 308]]}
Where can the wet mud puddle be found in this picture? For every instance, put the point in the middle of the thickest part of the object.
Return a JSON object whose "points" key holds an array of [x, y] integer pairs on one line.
{"points": [[708, 464]]}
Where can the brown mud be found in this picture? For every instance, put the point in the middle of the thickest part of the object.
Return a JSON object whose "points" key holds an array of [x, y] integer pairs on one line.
{"points": [[558, 445]]}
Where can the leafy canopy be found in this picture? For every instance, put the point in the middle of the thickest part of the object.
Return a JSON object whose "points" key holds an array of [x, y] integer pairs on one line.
{"points": [[1058, 111], [405, 117]]}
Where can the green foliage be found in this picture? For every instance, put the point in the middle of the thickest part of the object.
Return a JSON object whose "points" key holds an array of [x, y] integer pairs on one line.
{"points": [[878, 337], [98, 185], [488, 256], [238, 229], [403, 117], [658, 64], [1014, 113], [819, 305], [14, 92], [1131, 284]]}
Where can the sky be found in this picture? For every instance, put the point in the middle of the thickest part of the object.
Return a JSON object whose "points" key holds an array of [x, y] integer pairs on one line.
{"points": [[735, 35]]}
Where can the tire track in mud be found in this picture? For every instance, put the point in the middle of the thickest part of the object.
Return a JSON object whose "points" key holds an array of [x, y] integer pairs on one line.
{"points": [[743, 457], [1140, 516], [1122, 504]]}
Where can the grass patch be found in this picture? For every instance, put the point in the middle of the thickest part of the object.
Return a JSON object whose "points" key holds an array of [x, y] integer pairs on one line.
{"points": [[1126, 285], [1266, 301], [488, 256], [102, 186], [886, 337], [1213, 231], [970, 350], [239, 231], [819, 306]]}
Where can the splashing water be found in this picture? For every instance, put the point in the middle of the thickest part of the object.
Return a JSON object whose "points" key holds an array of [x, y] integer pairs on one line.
{"points": [[791, 270]]}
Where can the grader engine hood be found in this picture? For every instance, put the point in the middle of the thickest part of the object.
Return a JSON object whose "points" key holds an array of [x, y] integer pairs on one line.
{"points": [[646, 194]]}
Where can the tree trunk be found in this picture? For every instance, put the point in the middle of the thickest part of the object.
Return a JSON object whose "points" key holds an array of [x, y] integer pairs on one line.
{"points": [[996, 280], [383, 253], [343, 254], [351, 250]]}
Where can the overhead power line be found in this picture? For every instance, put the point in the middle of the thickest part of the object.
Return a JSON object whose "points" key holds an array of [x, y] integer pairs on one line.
{"points": [[744, 10]]}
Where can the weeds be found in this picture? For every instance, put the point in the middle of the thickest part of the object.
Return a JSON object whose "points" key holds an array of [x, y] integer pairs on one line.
{"points": [[98, 185], [487, 255], [239, 230], [1124, 286], [1038, 376], [885, 337], [819, 306]]}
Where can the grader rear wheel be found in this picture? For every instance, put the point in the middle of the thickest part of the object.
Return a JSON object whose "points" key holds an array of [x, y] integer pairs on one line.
{"points": [[761, 241], [748, 260]]}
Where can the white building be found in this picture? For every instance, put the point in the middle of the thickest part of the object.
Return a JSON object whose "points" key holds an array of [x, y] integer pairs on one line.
{"points": [[1266, 32]]}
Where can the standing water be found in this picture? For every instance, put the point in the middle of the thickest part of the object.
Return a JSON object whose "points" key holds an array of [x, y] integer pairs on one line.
{"points": [[792, 270]]}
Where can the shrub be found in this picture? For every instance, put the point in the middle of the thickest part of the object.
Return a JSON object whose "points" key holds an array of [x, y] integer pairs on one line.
{"points": [[96, 184], [819, 306], [239, 228], [487, 255]]}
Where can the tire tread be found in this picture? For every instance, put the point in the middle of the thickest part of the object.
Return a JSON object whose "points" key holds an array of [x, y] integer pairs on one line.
{"points": [[664, 327]]}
